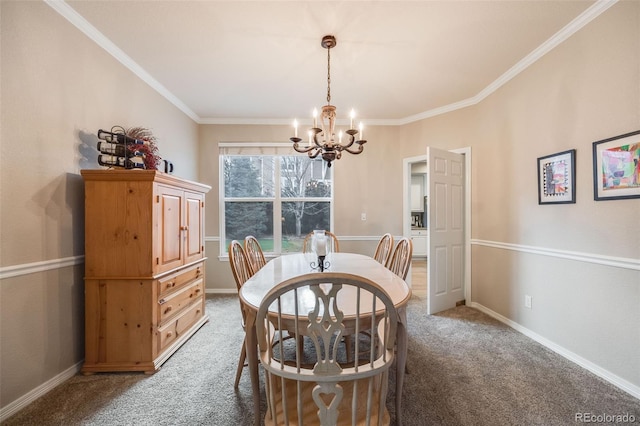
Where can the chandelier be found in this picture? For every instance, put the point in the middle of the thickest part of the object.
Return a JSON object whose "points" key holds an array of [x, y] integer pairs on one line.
{"points": [[322, 140]]}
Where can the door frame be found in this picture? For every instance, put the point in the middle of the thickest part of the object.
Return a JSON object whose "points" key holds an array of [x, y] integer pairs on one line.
{"points": [[406, 210]]}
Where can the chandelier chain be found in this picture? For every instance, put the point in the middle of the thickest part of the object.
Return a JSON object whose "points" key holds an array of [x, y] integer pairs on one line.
{"points": [[329, 76]]}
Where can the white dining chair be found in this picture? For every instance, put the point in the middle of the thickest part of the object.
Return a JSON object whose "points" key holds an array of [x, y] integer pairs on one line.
{"points": [[316, 389]]}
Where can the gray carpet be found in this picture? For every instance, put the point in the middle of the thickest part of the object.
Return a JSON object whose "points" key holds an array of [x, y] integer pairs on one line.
{"points": [[465, 368]]}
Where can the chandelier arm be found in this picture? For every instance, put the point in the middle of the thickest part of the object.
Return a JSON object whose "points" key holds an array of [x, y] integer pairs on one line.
{"points": [[297, 147], [315, 138], [355, 151], [314, 154], [351, 141]]}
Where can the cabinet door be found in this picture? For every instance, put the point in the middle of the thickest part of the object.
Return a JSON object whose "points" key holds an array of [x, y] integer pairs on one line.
{"points": [[170, 228], [417, 191], [193, 227]]}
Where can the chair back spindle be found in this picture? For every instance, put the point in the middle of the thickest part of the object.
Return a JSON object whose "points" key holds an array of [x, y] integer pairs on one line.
{"points": [[255, 255], [384, 249]]}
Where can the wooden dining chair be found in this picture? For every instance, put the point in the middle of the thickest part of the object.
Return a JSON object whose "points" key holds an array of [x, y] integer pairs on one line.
{"points": [[314, 387], [241, 273], [401, 258], [255, 256], [332, 240], [384, 249]]}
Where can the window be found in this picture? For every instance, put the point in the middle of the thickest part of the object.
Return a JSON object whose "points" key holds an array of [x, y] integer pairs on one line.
{"points": [[277, 198]]}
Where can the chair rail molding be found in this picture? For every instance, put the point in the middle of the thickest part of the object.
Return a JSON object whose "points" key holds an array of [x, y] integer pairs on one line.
{"points": [[618, 262], [35, 267]]}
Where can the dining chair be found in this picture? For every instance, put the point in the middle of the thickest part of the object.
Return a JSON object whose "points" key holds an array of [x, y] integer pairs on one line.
{"points": [[334, 246], [315, 387], [241, 273], [384, 249], [255, 256], [401, 258]]}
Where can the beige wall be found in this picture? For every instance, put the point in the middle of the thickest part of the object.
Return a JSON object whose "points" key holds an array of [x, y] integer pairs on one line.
{"points": [[58, 88], [585, 90]]}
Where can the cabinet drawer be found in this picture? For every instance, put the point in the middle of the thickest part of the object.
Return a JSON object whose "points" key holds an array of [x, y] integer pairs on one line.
{"points": [[175, 281], [178, 300], [182, 323], [419, 232]]}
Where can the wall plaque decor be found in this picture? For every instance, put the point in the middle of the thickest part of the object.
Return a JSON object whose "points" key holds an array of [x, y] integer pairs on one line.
{"points": [[557, 178], [616, 167]]}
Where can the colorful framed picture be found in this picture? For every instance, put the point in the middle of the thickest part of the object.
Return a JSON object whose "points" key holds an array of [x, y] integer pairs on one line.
{"points": [[557, 178], [616, 167]]}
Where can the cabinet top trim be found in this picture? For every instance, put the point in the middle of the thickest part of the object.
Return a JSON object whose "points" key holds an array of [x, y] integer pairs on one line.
{"points": [[142, 175]]}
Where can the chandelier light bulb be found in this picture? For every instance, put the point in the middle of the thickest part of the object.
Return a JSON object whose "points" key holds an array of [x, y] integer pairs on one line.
{"points": [[353, 115], [295, 128]]}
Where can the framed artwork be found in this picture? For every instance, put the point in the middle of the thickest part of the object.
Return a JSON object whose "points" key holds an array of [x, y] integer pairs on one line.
{"points": [[557, 178], [616, 167]]}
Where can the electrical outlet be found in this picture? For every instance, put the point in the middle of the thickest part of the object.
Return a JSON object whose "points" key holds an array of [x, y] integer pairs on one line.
{"points": [[363, 216], [527, 301]]}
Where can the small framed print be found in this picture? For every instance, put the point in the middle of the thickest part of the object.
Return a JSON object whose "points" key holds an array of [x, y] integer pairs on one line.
{"points": [[616, 167], [557, 178]]}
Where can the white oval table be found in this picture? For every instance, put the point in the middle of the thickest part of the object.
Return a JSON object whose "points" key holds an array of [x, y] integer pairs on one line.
{"points": [[288, 266]]}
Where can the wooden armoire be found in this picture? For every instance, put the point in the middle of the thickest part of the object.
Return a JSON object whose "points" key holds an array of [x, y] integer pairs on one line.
{"points": [[144, 267]]}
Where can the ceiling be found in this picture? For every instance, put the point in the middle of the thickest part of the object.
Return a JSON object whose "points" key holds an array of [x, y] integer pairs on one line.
{"points": [[262, 62]]}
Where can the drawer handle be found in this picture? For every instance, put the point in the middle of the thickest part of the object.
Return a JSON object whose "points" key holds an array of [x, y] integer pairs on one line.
{"points": [[171, 284], [169, 308], [162, 301], [169, 334], [184, 228], [197, 290]]}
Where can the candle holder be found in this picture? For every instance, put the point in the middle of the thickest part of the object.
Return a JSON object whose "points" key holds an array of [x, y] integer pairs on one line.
{"points": [[322, 264]]}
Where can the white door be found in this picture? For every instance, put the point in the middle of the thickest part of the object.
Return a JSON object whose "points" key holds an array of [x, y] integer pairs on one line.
{"points": [[446, 250]]}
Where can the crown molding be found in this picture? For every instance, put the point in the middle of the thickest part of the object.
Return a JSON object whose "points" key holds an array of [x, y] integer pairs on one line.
{"points": [[599, 7], [101, 40]]}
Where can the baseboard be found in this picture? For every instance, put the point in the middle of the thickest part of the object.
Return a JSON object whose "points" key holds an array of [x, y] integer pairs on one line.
{"points": [[619, 382], [28, 398]]}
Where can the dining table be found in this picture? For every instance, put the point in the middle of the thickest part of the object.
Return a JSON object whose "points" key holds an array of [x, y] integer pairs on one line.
{"points": [[289, 266]]}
